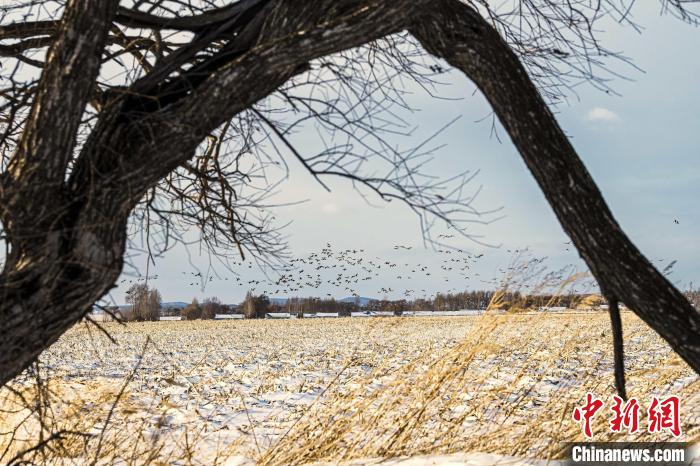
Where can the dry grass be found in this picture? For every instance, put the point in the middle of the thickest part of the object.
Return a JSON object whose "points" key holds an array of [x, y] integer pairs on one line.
{"points": [[508, 388], [293, 392]]}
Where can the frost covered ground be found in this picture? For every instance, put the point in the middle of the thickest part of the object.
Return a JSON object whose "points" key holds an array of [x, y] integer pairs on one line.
{"points": [[462, 390]]}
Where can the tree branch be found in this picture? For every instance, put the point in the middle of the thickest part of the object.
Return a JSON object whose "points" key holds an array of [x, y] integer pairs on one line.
{"points": [[135, 19], [289, 40], [457, 33], [290, 36]]}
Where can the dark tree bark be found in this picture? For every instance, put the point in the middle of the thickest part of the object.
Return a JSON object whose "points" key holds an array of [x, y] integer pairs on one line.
{"points": [[63, 255], [67, 229], [463, 38]]}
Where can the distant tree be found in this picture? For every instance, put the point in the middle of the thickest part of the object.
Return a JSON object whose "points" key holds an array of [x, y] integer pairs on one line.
{"points": [[262, 304], [248, 306], [344, 310], [439, 302], [296, 306], [211, 307], [145, 303], [153, 305], [255, 307], [192, 311], [135, 292], [301, 307], [400, 307]]}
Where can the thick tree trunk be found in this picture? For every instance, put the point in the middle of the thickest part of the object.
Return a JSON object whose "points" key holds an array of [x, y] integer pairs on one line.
{"points": [[457, 33], [65, 247], [54, 286]]}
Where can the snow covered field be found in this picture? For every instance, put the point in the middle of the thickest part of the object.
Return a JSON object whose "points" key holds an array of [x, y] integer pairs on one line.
{"points": [[470, 388]]}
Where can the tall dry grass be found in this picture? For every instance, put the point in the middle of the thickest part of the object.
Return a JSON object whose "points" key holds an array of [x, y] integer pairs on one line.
{"points": [[509, 387]]}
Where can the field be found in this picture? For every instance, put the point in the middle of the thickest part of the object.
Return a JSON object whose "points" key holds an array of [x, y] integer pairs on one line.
{"points": [[332, 390]]}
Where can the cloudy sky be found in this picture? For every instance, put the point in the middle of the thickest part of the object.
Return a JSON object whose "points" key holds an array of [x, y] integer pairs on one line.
{"points": [[641, 148]]}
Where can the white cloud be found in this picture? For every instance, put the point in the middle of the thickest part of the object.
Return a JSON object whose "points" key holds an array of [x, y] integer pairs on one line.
{"points": [[602, 114]]}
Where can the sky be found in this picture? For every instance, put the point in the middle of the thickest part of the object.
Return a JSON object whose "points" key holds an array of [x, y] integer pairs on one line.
{"points": [[640, 147]]}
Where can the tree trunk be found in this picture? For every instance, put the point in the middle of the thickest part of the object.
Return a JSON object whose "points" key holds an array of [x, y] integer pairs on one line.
{"points": [[55, 285], [458, 34], [65, 246]]}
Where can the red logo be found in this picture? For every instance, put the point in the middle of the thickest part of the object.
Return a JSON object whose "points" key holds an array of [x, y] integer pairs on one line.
{"points": [[662, 415], [665, 414], [625, 415], [586, 413]]}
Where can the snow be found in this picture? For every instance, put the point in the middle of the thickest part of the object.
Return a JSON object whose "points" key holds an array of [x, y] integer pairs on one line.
{"points": [[321, 315], [553, 309], [372, 314], [461, 312], [249, 381]]}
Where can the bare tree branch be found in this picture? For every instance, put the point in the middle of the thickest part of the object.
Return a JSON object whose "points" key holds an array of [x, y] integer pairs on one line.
{"points": [[461, 36]]}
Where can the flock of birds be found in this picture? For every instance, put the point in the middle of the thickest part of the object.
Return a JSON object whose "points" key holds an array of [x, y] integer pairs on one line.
{"points": [[347, 270]]}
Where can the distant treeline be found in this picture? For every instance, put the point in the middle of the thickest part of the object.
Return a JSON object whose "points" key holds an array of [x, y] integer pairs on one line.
{"points": [[302, 306], [145, 304], [477, 300], [480, 300]]}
